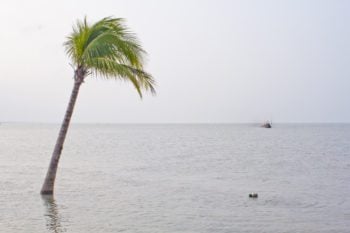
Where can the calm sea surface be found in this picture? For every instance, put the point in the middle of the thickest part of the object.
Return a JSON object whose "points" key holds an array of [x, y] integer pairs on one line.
{"points": [[177, 178]]}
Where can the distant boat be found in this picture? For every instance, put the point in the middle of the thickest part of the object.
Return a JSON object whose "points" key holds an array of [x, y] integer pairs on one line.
{"points": [[267, 125]]}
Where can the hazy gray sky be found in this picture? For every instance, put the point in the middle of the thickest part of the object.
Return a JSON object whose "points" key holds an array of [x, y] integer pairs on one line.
{"points": [[214, 61]]}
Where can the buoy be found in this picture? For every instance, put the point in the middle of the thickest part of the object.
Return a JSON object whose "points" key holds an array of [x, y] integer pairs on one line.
{"points": [[253, 195]]}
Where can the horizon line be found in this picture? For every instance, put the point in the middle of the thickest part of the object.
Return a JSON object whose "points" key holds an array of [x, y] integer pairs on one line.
{"points": [[170, 123]]}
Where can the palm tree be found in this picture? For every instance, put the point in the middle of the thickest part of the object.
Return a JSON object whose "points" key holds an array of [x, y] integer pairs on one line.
{"points": [[106, 49]]}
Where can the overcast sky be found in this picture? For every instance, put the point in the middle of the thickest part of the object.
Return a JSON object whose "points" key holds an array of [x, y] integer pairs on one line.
{"points": [[214, 61]]}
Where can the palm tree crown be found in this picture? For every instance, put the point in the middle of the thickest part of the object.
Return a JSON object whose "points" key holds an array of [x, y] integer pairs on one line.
{"points": [[108, 49]]}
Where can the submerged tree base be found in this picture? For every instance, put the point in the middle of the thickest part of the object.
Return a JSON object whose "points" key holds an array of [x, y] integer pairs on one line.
{"points": [[46, 192]]}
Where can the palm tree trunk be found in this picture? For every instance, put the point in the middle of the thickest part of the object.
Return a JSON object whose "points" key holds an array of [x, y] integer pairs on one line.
{"points": [[48, 186]]}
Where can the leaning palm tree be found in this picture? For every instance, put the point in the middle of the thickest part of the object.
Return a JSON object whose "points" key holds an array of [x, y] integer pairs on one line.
{"points": [[106, 49]]}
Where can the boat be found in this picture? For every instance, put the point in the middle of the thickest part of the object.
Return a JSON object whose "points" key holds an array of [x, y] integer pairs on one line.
{"points": [[267, 125]]}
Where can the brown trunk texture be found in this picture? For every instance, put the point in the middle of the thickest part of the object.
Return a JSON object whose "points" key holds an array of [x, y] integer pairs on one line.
{"points": [[48, 186]]}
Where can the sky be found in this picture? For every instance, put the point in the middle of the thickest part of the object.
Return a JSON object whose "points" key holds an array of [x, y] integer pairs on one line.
{"points": [[221, 61]]}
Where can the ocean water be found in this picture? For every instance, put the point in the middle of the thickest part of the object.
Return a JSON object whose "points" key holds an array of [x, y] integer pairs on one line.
{"points": [[177, 178]]}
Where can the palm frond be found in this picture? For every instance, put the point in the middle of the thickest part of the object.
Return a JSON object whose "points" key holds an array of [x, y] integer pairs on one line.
{"points": [[108, 68], [107, 48]]}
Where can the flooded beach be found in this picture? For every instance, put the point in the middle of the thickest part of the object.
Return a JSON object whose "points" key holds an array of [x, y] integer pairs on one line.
{"points": [[177, 178]]}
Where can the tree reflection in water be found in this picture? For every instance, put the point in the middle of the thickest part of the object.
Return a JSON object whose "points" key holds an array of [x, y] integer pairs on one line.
{"points": [[53, 218]]}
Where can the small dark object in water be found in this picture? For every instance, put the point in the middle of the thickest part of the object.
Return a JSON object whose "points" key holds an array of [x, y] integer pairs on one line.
{"points": [[266, 125], [253, 195]]}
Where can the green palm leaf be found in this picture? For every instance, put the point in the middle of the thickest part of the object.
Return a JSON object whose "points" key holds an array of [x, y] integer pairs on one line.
{"points": [[108, 49]]}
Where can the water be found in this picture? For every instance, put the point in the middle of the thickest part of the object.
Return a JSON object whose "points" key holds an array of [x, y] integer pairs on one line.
{"points": [[177, 178]]}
